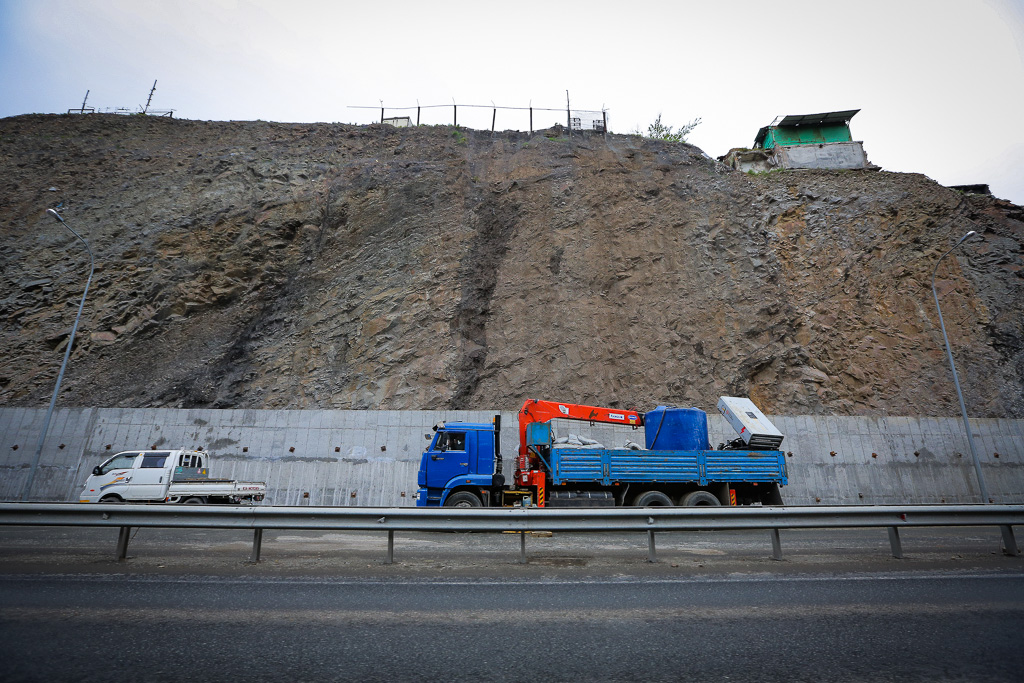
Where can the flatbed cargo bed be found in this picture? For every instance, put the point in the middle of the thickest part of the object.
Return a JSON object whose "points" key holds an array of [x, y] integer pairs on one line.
{"points": [[607, 466]]}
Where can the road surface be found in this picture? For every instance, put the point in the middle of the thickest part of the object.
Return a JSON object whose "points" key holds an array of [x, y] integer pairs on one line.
{"points": [[459, 607]]}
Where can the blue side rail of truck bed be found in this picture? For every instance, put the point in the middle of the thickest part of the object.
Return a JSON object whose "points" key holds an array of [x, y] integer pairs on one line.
{"points": [[606, 466]]}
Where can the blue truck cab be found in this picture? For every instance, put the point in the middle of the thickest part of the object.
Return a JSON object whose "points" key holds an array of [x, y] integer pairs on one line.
{"points": [[460, 459]]}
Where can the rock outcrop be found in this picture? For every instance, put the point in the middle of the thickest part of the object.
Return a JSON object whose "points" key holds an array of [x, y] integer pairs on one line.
{"points": [[252, 264]]}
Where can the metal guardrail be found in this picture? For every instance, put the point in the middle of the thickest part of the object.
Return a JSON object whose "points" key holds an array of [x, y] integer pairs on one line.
{"points": [[521, 520]]}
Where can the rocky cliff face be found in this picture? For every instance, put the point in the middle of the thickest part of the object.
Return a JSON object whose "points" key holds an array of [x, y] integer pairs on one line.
{"points": [[314, 265]]}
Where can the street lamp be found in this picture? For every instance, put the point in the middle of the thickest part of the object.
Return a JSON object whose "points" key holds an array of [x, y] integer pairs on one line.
{"points": [[956, 380], [64, 363]]}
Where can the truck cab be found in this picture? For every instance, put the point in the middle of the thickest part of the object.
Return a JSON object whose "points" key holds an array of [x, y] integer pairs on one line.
{"points": [[140, 475], [458, 468]]}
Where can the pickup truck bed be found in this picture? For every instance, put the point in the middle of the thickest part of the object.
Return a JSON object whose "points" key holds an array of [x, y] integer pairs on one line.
{"points": [[606, 466]]}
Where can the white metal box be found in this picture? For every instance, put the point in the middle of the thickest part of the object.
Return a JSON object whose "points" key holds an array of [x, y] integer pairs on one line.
{"points": [[754, 428]]}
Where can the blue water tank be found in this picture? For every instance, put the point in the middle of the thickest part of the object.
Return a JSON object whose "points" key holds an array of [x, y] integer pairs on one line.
{"points": [[676, 429]]}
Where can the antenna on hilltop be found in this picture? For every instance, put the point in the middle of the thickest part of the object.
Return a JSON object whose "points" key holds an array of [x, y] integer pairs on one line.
{"points": [[151, 91]]}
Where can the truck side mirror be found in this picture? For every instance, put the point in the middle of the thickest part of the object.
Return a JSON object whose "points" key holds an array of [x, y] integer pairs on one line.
{"points": [[97, 471]]}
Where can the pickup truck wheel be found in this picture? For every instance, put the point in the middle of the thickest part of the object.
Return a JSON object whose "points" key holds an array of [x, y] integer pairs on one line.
{"points": [[695, 498], [194, 500], [463, 499], [652, 499], [111, 499]]}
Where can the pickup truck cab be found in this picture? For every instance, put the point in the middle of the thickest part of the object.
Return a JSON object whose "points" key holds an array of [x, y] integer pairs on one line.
{"points": [[177, 476]]}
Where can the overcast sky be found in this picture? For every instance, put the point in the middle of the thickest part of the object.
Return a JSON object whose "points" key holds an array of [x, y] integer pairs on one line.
{"points": [[940, 83]]}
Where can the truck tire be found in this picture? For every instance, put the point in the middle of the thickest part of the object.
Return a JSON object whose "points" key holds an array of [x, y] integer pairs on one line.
{"points": [[111, 499], [463, 499], [649, 499], [194, 500], [695, 498]]}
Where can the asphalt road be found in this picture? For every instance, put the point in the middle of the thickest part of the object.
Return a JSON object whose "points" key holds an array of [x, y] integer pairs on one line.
{"points": [[324, 606], [878, 626]]}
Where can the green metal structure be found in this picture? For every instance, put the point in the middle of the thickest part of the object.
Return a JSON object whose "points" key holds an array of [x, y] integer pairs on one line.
{"points": [[806, 129]]}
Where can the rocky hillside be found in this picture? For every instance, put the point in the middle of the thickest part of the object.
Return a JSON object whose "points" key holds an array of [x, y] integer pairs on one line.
{"points": [[267, 265]]}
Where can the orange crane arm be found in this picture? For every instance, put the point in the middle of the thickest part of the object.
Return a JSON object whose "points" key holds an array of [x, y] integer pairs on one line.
{"points": [[534, 410]]}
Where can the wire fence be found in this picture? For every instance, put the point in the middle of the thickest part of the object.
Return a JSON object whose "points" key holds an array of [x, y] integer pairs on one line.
{"points": [[484, 116], [122, 110]]}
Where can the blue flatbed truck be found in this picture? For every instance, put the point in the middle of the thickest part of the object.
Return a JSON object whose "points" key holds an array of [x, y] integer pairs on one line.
{"points": [[462, 467]]}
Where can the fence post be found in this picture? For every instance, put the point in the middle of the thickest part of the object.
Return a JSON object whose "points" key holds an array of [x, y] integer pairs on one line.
{"points": [[417, 115], [257, 545], [894, 542], [1009, 542], [122, 543], [455, 108], [522, 547], [494, 117], [604, 119], [531, 120], [776, 544], [651, 552], [391, 547]]}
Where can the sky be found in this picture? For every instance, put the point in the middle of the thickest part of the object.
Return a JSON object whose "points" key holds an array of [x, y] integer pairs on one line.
{"points": [[939, 83]]}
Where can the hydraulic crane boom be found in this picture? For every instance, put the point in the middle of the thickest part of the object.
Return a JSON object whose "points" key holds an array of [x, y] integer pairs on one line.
{"points": [[534, 410]]}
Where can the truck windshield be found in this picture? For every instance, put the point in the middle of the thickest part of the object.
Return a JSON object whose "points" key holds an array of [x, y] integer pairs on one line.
{"points": [[121, 461]]}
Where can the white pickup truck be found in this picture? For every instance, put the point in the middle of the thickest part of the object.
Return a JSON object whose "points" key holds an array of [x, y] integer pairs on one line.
{"points": [[165, 477]]}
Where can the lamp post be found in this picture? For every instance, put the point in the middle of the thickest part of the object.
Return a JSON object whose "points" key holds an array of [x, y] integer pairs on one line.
{"points": [[64, 363], [956, 380]]}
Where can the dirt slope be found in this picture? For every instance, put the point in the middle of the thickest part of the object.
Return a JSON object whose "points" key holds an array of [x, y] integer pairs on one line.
{"points": [[266, 265]]}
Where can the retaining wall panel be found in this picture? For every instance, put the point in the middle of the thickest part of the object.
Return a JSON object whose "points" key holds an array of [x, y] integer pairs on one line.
{"points": [[895, 473]]}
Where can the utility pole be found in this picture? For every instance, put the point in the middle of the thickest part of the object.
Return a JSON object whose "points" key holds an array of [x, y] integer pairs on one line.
{"points": [[956, 380], [568, 114]]}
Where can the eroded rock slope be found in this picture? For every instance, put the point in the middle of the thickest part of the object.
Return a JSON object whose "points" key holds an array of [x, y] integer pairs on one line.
{"points": [[267, 265]]}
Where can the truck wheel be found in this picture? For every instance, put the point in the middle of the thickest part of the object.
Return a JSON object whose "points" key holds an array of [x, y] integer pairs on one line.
{"points": [[111, 499], [695, 498], [649, 499], [463, 499], [194, 500]]}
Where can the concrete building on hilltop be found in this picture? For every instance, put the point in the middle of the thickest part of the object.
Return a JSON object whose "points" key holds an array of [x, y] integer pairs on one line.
{"points": [[802, 141]]}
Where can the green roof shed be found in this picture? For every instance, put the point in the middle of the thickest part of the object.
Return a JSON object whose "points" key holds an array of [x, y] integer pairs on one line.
{"points": [[806, 129]]}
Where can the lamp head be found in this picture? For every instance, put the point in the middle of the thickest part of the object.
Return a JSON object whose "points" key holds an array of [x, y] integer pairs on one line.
{"points": [[964, 238]]}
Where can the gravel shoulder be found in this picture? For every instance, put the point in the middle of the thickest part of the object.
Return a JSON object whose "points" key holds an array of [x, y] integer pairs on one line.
{"points": [[478, 556]]}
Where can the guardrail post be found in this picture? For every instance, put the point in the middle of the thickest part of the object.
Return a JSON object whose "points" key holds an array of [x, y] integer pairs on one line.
{"points": [[894, 542], [391, 547], [522, 547], [257, 545], [122, 543], [651, 552], [776, 544], [1009, 542]]}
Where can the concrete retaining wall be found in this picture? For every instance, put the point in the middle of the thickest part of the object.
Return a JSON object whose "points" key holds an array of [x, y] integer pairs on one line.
{"points": [[824, 155], [332, 457]]}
